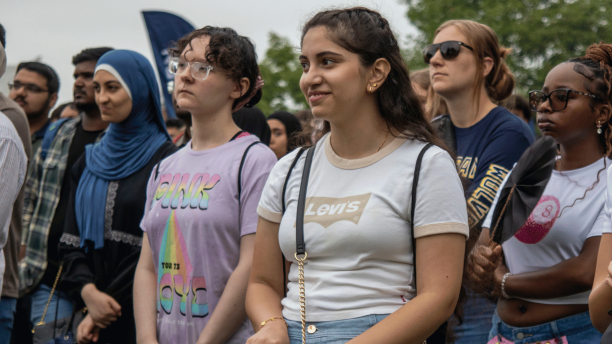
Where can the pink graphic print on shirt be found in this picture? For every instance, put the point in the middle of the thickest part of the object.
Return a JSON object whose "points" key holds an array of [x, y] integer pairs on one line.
{"points": [[176, 273], [540, 221]]}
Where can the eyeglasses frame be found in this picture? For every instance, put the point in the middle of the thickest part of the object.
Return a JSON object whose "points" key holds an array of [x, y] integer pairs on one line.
{"points": [[11, 85], [190, 66], [547, 97], [438, 45]]}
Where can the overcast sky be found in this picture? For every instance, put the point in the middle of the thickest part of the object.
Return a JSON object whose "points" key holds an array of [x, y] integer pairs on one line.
{"points": [[57, 30]]}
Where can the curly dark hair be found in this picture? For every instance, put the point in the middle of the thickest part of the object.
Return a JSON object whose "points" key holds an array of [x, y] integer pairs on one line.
{"points": [[233, 53]]}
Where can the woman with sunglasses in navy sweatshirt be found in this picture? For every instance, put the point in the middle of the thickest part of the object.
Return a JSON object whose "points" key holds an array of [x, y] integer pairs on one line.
{"points": [[468, 70]]}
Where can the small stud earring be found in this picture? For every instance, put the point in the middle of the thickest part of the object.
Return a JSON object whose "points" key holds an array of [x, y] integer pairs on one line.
{"points": [[599, 127], [374, 85]]}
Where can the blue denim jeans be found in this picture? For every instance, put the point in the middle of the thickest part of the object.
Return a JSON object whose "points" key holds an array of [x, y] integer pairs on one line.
{"points": [[477, 314], [8, 306], [578, 329], [333, 332], [60, 304]]}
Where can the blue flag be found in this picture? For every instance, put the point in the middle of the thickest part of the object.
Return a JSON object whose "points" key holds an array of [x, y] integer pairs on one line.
{"points": [[165, 28]]}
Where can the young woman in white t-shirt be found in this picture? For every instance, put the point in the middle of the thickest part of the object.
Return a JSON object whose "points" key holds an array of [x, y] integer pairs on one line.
{"points": [[358, 274], [544, 274], [600, 300]]}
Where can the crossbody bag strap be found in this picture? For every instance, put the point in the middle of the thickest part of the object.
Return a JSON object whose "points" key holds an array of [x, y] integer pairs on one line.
{"points": [[300, 245], [415, 183]]}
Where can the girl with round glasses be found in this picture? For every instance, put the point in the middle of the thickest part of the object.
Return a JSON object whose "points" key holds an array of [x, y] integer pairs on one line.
{"points": [[468, 71], [200, 217], [544, 274]]}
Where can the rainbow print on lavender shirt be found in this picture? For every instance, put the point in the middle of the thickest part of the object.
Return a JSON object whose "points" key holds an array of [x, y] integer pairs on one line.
{"points": [[175, 273]]}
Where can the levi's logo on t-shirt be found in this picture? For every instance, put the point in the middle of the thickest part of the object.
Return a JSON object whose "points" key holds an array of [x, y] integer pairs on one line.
{"points": [[327, 210]]}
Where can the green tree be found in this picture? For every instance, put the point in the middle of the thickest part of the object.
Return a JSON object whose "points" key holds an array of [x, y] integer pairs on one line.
{"points": [[542, 33], [281, 71]]}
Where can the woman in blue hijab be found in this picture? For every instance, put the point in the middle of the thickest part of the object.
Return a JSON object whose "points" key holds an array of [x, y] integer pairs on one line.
{"points": [[102, 239]]}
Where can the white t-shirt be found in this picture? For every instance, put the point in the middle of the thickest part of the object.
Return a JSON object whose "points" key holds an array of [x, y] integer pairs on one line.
{"points": [[547, 239], [356, 225], [608, 223]]}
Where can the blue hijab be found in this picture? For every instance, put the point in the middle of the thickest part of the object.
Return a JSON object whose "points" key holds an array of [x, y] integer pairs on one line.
{"points": [[127, 146]]}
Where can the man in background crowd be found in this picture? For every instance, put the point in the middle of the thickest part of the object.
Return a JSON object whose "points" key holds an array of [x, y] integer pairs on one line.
{"points": [[35, 88], [66, 110], [10, 284], [48, 190], [176, 128], [519, 106]]}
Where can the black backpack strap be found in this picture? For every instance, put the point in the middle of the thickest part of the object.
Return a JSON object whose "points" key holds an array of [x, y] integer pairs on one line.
{"points": [[300, 245], [240, 169], [439, 336], [157, 170], [415, 183], [297, 157]]}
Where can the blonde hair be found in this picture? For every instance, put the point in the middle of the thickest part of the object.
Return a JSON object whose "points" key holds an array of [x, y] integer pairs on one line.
{"points": [[421, 77], [499, 83]]}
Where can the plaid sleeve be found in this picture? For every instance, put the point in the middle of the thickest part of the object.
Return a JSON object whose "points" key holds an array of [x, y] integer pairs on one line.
{"points": [[30, 195]]}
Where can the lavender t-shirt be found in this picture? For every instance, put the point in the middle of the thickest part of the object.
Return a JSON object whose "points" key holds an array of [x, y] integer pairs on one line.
{"points": [[194, 224]]}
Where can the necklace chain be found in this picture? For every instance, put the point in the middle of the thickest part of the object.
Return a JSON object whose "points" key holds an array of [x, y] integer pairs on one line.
{"points": [[379, 147]]}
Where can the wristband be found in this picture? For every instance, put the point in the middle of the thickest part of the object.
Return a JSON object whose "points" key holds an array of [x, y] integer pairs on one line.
{"points": [[503, 285]]}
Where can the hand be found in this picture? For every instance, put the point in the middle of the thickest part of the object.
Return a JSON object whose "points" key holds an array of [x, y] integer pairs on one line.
{"points": [[486, 260], [102, 308], [87, 331], [274, 332], [498, 276]]}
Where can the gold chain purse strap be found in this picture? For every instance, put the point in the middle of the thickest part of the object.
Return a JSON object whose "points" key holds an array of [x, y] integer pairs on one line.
{"points": [[300, 245], [42, 319]]}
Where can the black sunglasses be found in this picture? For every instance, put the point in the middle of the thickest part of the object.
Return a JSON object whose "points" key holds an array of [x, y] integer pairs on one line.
{"points": [[557, 98], [448, 49]]}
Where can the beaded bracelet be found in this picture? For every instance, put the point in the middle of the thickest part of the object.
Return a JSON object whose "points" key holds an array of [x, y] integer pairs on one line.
{"points": [[503, 285]]}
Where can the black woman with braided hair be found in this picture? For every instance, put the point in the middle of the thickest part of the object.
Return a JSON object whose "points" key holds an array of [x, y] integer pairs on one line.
{"points": [[544, 274], [599, 63], [355, 281]]}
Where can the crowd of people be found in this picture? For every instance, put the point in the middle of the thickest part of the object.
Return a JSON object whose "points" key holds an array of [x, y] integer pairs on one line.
{"points": [[363, 219]]}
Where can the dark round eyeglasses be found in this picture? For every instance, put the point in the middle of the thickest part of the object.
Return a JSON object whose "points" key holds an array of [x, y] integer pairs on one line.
{"points": [[558, 98], [448, 49]]}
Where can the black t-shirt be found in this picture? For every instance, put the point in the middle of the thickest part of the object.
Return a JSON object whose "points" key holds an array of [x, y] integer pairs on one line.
{"points": [[487, 151], [80, 139]]}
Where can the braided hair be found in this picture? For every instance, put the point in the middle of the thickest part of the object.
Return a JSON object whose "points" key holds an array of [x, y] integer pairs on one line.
{"points": [[596, 66]]}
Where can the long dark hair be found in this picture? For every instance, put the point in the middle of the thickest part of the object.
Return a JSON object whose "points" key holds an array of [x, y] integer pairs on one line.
{"points": [[366, 33]]}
